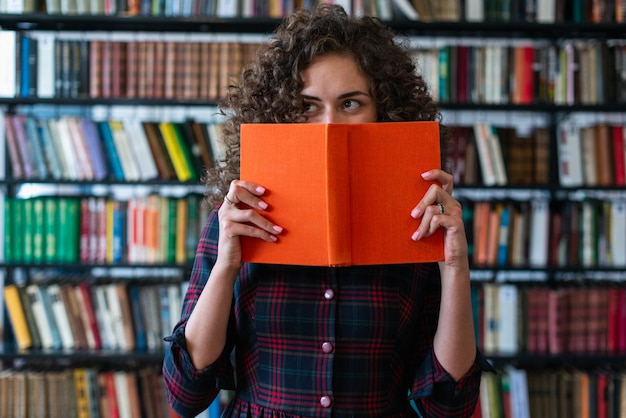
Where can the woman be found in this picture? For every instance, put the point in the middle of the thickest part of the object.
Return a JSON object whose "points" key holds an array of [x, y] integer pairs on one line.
{"points": [[316, 341]]}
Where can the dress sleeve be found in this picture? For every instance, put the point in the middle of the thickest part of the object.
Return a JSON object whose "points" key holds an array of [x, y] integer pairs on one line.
{"points": [[189, 390], [437, 394]]}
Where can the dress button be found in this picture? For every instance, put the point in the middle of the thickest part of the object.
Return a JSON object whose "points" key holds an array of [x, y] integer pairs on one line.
{"points": [[329, 294], [327, 347], [325, 401]]}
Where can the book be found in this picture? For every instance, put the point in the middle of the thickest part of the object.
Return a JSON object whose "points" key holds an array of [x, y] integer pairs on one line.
{"points": [[8, 68], [351, 171], [17, 316]]}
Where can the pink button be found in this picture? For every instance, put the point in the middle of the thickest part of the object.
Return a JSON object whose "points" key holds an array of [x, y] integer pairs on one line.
{"points": [[325, 401], [329, 294], [327, 347]]}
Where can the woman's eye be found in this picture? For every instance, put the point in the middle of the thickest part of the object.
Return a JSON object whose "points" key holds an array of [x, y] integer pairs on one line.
{"points": [[309, 107], [350, 104]]}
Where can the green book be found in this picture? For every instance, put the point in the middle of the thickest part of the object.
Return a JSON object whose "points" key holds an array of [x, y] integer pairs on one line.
{"points": [[171, 230], [38, 221], [9, 231], [184, 145], [51, 221], [28, 228]]}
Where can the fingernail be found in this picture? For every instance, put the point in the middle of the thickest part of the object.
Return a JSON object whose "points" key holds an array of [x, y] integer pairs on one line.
{"points": [[262, 205], [277, 229], [415, 213], [416, 236], [426, 174], [260, 189]]}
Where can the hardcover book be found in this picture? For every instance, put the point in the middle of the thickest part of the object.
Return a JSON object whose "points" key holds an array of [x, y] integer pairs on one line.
{"points": [[342, 192]]}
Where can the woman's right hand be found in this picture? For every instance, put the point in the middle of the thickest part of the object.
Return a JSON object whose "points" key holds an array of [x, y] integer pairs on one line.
{"points": [[239, 216]]}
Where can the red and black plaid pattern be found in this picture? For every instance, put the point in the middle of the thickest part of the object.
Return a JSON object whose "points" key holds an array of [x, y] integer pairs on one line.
{"points": [[360, 336]]}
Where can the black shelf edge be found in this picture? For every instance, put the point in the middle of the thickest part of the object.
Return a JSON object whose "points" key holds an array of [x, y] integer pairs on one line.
{"points": [[106, 182], [118, 101], [77, 356], [40, 21], [578, 360], [121, 101]]}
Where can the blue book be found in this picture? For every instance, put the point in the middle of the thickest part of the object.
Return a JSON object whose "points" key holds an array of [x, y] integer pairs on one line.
{"points": [[503, 238], [138, 319], [111, 151], [36, 147], [95, 149], [49, 150], [24, 66]]}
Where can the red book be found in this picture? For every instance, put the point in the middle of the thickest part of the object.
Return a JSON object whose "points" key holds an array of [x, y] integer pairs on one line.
{"points": [[617, 132], [342, 192], [83, 295], [621, 321]]}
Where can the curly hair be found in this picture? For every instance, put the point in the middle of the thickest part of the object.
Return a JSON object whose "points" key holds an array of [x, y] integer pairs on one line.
{"points": [[268, 88]]}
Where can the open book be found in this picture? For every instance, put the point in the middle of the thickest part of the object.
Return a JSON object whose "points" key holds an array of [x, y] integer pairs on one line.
{"points": [[342, 192]]}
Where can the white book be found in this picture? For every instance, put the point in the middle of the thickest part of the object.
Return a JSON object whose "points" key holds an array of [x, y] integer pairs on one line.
{"points": [[8, 67], [490, 337], [569, 152], [618, 233], [218, 148], [127, 159], [3, 148], [60, 316], [518, 389], [45, 64], [507, 317], [383, 7], [115, 316], [495, 149], [588, 233], [141, 149], [474, 10], [61, 135], [122, 394], [482, 133], [406, 8], [103, 316], [546, 11], [175, 304], [44, 323], [227, 8], [539, 230]]}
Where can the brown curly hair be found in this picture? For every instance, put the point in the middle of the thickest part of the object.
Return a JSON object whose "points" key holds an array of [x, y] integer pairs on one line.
{"points": [[268, 88]]}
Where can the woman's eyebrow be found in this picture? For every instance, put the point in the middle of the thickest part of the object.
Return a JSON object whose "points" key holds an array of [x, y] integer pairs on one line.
{"points": [[341, 96]]}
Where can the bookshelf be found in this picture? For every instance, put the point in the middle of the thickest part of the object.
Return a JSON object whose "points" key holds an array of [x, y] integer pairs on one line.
{"points": [[526, 118]]}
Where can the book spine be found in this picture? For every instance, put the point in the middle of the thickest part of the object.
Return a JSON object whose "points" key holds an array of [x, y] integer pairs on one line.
{"points": [[338, 198]]}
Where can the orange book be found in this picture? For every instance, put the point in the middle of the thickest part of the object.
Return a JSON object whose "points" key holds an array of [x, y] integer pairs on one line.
{"points": [[342, 192]]}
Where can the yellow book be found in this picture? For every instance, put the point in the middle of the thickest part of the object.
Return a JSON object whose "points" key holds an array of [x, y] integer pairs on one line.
{"points": [[175, 152], [182, 215], [18, 317], [81, 392], [109, 231]]}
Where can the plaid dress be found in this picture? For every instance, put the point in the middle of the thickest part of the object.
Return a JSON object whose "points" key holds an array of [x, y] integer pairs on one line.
{"points": [[321, 342]]}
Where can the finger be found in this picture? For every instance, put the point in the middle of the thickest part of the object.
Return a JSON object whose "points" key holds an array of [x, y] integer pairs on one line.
{"points": [[434, 195], [241, 191], [445, 179], [249, 222]]}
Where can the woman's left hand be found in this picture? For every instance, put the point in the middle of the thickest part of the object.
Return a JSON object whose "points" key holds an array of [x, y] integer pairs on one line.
{"points": [[439, 209]]}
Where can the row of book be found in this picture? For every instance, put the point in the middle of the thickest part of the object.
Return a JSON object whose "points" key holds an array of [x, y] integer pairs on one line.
{"points": [[79, 148], [150, 229], [575, 234], [178, 67], [84, 392], [572, 393], [591, 155], [490, 155], [538, 319], [423, 10], [570, 72], [118, 316]]}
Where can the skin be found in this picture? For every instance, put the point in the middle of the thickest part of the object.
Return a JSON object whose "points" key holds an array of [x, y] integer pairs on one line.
{"points": [[337, 91]]}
